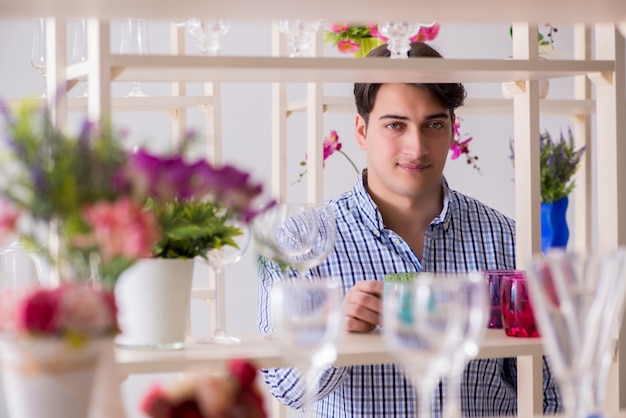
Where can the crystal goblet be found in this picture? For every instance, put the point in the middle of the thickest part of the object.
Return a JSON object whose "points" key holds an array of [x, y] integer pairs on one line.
{"points": [[307, 324], [38, 52], [218, 259], [422, 327], [300, 35], [135, 42]]}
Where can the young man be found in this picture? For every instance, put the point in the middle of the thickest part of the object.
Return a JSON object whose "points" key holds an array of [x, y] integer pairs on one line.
{"points": [[401, 216]]}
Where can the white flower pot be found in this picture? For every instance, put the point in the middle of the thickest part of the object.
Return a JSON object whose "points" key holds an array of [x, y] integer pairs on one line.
{"points": [[48, 377], [153, 297]]}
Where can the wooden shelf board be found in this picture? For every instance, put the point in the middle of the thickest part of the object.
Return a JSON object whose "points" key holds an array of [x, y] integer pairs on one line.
{"points": [[167, 68], [477, 11], [355, 349], [563, 107]]}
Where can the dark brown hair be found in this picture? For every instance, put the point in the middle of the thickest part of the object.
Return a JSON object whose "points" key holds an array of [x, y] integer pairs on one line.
{"points": [[450, 95]]}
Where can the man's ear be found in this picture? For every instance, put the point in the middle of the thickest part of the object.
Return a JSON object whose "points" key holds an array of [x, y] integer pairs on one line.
{"points": [[360, 131]]}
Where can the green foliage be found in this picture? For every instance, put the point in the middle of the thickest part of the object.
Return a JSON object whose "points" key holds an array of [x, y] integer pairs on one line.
{"points": [[191, 228]]}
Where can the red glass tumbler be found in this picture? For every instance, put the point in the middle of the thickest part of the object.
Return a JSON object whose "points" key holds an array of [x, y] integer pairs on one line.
{"points": [[517, 313]]}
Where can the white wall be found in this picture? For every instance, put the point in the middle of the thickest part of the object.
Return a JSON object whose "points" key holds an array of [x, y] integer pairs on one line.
{"points": [[246, 132]]}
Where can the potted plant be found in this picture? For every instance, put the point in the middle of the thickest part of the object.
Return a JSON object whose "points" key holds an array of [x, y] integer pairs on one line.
{"points": [[361, 38], [559, 161]]}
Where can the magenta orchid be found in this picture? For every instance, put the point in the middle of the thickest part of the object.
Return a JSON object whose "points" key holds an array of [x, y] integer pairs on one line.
{"points": [[460, 145]]}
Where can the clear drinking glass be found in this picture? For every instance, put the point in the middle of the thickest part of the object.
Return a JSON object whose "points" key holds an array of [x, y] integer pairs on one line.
{"points": [[422, 327], [38, 52], [398, 36], [135, 42], [218, 259], [307, 324], [572, 296], [300, 35], [285, 233], [207, 33], [79, 45], [474, 301]]}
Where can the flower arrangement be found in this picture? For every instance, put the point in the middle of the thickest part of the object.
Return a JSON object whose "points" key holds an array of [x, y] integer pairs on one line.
{"points": [[231, 395], [73, 312], [559, 161], [348, 39], [110, 207]]}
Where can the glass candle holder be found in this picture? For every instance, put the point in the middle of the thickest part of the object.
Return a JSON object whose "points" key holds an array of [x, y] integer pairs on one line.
{"points": [[518, 318]]}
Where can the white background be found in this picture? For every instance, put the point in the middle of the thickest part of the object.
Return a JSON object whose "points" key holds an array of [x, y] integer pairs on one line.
{"points": [[247, 128]]}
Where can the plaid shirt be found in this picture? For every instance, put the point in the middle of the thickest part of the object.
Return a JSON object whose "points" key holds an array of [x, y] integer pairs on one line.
{"points": [[466, 236]]}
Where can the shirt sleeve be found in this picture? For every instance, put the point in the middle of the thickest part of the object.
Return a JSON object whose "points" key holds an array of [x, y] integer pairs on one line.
{"points": [[286, 384]]}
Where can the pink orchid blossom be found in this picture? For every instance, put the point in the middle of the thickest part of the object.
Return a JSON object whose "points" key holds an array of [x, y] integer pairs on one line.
{"points": [[426, 33], [331, 144], [347, 46]]}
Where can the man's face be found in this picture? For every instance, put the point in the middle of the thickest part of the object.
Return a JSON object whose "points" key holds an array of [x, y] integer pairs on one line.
{"points": [[407, 142]]}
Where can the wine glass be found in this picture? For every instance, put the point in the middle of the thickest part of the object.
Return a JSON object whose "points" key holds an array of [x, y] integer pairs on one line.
{"points": [[79, 45], [324, 241], [307, 324], [285, 233], [572, 296], [135, 42], [207, 32], [38, 52], [299, 34], [217, 259], [422, 327], [475, 304]]}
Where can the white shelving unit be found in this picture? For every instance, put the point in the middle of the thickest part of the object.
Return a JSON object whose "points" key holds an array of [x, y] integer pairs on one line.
{"points": [[607, 71]]}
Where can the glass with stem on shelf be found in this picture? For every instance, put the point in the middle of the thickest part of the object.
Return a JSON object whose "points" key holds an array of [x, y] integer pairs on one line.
{"points": [[135, 42], [422, 328], [475, 303], [285, 233], [217, 260], [38, 52], [307, 322], [300, 34], [79, 45], [399, 36], [207, 33], [575, 297]]}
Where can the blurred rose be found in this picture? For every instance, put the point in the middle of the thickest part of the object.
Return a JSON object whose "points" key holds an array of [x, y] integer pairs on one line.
{"points": [[85, 311], [39, 312], [9, 214]]}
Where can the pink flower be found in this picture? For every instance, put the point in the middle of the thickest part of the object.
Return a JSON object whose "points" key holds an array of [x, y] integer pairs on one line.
{"points": [[39, 312], [459, 148], [120, 229], [373, 27], [9, 214], [156, 404], [426, 33], [347, 46], [85, 311], [331, 144], [339, 27]]}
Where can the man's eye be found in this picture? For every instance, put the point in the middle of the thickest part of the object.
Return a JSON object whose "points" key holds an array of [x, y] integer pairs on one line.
{"points": [[436, 125], [394, 125]]}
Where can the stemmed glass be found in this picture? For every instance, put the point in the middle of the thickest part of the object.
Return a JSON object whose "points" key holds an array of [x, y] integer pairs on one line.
{"points": [[572, 297], [207, 32], [306, 319], [324, 241], [422, 327], [218, 259], [285, 233], [474, 302], [79, 46], [38, 52], [299, 34], [135, 42]]}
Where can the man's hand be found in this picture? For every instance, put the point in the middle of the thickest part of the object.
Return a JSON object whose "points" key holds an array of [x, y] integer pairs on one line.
{"points": [[363, 306]]}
